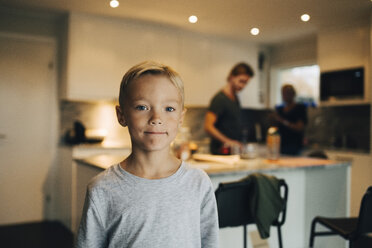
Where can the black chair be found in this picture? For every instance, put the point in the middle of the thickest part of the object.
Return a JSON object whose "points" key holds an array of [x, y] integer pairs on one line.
{"points": [[352, 228], [233, 206], [44, 234]]}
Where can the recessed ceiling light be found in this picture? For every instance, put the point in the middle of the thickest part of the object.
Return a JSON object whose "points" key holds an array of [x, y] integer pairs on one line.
{"points": [[255, 31], [193, 19], [305, 17], [114, 3]]}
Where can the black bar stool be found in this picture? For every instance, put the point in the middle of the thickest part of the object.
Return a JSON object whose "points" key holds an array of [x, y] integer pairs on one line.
{"points": [[352, 228], [234, 205]]}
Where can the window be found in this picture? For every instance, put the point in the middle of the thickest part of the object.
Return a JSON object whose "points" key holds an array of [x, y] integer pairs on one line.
{"points": [[305, 79]]}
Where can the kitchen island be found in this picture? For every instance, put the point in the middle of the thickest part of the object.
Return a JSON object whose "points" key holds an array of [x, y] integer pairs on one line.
{"points": [[316, 187]]}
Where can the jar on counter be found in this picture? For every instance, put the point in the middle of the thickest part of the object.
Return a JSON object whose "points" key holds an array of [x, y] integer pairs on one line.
{"points": [[273, 143], [180, 145], [249, 151]]}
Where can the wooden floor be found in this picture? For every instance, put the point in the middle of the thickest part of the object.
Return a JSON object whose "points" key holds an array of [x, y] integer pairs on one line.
{"points": [[47, 234]]}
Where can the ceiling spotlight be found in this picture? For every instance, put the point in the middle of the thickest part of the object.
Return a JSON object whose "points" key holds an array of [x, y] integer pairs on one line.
{"points": [[305, 17], [193, 19], [255, 31], [114, 3]]}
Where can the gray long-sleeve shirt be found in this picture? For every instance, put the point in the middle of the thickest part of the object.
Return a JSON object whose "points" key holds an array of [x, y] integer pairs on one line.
{"points": [[123, 210]]}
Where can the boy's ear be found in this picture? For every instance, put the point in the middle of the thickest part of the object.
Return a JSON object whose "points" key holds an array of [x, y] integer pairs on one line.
{"points": [[182, 117], [120, 116]]}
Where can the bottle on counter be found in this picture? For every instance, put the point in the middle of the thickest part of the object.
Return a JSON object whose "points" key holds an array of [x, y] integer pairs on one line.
{"points": [[273, 143]]}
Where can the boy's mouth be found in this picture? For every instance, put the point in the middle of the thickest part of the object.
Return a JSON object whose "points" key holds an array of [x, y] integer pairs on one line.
{"points": [[155, 132]]}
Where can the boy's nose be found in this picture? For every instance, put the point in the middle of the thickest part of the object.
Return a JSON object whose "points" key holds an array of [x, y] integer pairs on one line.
{"points": [[156, 121]]}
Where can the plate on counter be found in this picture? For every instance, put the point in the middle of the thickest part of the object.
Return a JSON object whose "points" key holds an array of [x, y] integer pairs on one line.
{"points": [[226, 159]]}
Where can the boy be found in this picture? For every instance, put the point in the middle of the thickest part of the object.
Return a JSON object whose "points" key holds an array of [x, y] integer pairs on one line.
{"points": [[151, 199]]}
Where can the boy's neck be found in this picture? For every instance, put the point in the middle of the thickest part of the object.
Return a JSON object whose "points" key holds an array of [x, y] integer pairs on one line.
{"points": [[153, 165]]}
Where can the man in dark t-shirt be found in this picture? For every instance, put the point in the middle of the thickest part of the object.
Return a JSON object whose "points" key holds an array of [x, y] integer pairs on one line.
{"points": [[223, 118]]}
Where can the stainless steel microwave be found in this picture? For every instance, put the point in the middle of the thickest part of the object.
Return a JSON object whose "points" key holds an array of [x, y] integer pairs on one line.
{"points": [[342, 84]]}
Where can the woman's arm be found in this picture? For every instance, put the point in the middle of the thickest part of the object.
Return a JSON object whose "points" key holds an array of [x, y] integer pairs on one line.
{"points": [[298, 126]]}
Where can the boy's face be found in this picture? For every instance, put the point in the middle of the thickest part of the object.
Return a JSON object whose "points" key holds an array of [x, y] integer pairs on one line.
{"points": [[153, 111]]}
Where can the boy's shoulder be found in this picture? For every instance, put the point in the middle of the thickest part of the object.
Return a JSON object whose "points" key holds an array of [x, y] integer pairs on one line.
{"points": [[106, 180], [196, 173], [194, 170]]}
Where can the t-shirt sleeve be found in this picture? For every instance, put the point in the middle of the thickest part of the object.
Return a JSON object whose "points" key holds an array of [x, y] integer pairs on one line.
{"points": [[209, 219], [91, 232]]}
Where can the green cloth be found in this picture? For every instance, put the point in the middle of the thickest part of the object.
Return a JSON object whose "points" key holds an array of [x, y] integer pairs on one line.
{"points": [[265, 201]]}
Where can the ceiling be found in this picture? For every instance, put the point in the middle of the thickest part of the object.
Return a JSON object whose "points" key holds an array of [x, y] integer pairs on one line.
{"points": [[278, 21]]}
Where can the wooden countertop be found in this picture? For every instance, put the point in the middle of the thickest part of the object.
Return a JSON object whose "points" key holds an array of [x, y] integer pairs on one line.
{"points": [[228, 167]]}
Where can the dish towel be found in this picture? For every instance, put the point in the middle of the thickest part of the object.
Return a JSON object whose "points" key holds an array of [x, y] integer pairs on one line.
{"points": [[265, 201]]}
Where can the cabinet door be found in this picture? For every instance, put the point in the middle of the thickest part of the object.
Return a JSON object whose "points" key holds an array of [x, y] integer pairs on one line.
{"points": [[100, 51], [361, 176]]}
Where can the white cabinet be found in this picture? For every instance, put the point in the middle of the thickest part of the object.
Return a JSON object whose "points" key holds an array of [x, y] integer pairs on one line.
{"points": [[101, 49], [98, 55], [361, 176]]}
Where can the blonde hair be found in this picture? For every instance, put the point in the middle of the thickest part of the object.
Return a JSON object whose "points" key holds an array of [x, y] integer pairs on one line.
{"points": [[149, 68]]}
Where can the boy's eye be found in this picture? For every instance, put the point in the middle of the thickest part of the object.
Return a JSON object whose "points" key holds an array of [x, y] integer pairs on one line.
{"points": [[141, 107], [170, 109]]}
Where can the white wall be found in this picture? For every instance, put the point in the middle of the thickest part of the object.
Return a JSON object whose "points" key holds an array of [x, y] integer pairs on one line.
{"points": [[101, 49]]}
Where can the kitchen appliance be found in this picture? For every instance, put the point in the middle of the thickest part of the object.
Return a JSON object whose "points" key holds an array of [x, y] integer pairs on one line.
{"points": [[79, 135], [342, 84]]}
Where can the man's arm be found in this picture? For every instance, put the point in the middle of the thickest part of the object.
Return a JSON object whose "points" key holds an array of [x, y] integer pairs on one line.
{"points": [[210, 120]]}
